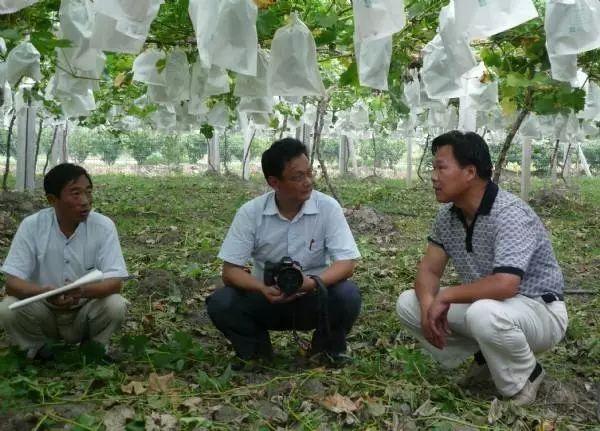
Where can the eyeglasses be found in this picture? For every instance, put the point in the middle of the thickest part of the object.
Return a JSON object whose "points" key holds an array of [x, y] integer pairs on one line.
{"points": [[301, 177]]}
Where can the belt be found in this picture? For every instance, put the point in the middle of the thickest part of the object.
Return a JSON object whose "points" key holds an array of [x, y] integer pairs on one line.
{"points": [[551, 297]]}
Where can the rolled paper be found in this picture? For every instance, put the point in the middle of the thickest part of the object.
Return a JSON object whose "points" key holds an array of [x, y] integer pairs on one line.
{"points": [[90, 277]]}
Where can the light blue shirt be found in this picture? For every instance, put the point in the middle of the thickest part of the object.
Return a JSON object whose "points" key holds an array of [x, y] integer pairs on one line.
{"points": [[316, 236], [41, 253]]}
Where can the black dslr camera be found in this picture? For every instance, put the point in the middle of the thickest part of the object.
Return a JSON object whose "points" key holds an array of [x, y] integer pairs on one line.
{"points": [[285, 274]]}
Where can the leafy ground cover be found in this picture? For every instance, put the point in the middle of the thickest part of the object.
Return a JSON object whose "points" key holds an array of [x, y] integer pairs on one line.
{"points": [[173, 371]]}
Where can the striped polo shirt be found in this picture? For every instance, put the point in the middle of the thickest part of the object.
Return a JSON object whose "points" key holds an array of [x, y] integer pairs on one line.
{"points": [[507, 236]]}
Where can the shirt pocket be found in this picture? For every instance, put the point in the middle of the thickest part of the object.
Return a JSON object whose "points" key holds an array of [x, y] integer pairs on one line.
{"points": [[314, 254]]}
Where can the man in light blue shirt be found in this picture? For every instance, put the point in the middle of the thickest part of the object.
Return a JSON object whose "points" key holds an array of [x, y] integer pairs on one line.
{"points": [[52, 248], [295, 221]]}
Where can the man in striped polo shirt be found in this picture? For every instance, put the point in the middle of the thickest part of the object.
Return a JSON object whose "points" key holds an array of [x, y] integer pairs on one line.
{"points": [[510, 305]]}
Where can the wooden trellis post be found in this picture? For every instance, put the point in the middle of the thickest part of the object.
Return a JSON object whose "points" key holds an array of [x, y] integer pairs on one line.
{"points": [[344, 155], [214, 156], [26, 138], [409, 168], [526, 168]]}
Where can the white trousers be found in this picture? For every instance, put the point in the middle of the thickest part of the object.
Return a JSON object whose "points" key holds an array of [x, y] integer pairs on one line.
{"points": [[31, 326], [508, 333]]}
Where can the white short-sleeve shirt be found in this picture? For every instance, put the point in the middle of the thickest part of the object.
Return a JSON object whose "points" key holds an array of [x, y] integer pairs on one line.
{"points": [[316, 236], [41, 253]]}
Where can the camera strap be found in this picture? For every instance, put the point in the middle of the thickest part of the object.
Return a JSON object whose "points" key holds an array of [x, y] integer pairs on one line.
{"points": [[322, 295]]}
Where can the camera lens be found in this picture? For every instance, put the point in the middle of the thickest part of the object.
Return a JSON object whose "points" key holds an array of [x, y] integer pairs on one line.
{"points": [[289, 280]]}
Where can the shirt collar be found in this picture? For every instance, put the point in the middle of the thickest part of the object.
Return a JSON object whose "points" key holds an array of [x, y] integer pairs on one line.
{"points": [[309, 207], [60, 232], [487, 202], [270, 205]]}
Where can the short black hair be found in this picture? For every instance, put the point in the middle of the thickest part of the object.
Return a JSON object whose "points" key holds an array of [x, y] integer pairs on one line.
{"points": [[59, 176], [469, 149], [279, 153]]}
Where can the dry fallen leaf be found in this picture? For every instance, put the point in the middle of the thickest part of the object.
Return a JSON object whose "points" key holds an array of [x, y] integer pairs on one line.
{"points": [[193, 404], [160, 384], [120, 79], [306, 406], [546, 426], [228, 414], [133, 388], [116, 418], [425, 409], [161, 422], [270, 411], [375, 408], [339, 404]]}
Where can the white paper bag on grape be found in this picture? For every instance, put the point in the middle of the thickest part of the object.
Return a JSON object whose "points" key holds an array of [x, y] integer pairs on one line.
{"points": [[293, 69], [23, 60], [373, 58], [484, 18], [572, 26], [11, 6], [254, 86], [376, 19]]}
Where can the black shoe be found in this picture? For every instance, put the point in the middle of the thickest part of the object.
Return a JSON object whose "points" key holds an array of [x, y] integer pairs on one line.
{"points": [[331, 359], [254, 363], [339, 360], [44, 354]]}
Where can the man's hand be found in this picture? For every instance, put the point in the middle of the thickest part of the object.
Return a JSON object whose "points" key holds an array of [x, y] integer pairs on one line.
{"points": [[272, 294], [437, 322], [61, 301], [308, 285], [75, 295], [275, 296], [65, 300]]}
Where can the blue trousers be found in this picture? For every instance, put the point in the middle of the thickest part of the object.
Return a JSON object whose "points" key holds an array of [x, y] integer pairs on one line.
{"points": [[246, 318]]}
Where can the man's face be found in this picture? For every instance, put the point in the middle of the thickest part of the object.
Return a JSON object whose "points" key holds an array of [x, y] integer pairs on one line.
{"points": [[75, 200], [450, 180], [296, 182]]}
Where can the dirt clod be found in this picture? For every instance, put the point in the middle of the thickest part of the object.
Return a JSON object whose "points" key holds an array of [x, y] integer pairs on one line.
{"points": [[365, 220]]}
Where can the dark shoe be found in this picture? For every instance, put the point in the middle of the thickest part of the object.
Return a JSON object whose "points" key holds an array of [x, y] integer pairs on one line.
{"points": [[44, 354], [339, 360], [331, 360], [238, 364], [250, 365]]}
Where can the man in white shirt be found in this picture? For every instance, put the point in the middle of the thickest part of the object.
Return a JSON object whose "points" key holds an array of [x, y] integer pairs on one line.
{"points": [[295, 221], [52, 248]]}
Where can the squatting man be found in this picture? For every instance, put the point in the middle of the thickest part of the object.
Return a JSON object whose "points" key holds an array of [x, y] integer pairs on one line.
{"points": [[510, 303], [303, 254], [52, 248]]}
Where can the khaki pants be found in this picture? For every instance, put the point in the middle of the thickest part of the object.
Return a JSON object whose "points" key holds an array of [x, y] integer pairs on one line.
{"points": [[31, 326], [508, 333]]}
